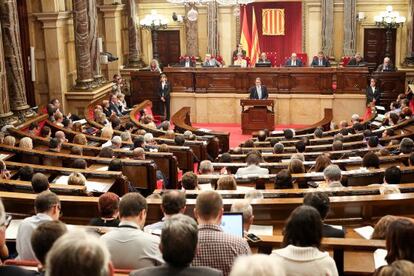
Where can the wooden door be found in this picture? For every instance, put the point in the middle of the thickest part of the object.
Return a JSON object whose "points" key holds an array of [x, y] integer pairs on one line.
{"points": [[169, 47], [375, 43], [25, 42]]}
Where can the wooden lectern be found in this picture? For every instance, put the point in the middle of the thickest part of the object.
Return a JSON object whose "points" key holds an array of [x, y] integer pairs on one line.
{"points": [[256, 116]]}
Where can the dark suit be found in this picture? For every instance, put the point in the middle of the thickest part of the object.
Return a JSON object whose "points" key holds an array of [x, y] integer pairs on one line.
{"points": [[10, 270], [254, 94], [371, 96], [331, 232], [354, 62], [237, 51], [192, 63], [167, 270], [390, 68], [106, 111], [165, 92], [298, 63], [325, 62], [113, 107]]}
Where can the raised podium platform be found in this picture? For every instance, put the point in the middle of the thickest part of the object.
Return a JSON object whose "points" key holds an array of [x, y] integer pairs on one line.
{"points": [[256, 115]]}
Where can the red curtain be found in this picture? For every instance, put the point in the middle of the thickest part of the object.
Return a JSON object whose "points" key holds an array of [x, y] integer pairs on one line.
{"points": [[283, 45]]}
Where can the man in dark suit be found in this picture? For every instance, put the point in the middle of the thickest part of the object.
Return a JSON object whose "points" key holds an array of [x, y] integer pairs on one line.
{"points": [[164, 94], [113, 105], [320, 61], [263, 58], [179, 239], [387, 66], [320, 201], [293, 61], [239, 50], [187, 62], [373, 93], [259, 91], [357, 60]]}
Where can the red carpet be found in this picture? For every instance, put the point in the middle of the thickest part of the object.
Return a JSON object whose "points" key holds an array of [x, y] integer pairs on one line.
{"points": [[236, 136]]}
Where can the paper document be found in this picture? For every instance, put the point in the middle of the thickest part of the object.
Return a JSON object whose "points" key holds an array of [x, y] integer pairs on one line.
{"points": [[4, 156], [261, 230], [245, 188], [106, 144], [365, 232], [11, 231], [82, 121], [205, 187], [379, 258], [94, 186], [62, 179]]}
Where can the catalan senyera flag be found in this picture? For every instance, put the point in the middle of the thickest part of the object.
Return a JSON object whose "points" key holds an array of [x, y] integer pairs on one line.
{"points": [[273, 21], [255, 49], [245, 38]]}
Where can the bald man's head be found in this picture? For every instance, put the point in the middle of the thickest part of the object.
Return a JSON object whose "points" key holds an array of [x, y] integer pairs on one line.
{"points": [[209, 205], [139, 153]]}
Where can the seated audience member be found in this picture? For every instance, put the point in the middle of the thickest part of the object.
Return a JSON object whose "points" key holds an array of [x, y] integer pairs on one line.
{"points": [[190, 181], [246, 209], [253, 194], [392, 175], [239, 50], [165, 125], [320, 201], [406, 146], [226, 182], [373, 142], [253, 161], [43, 238], [108, 206], [399, 241], [67, 123], [210, 61], [333, 175], [138, 154], [187, 62], [343, 124], [155, 66], [261, 136], [206, 167], [4, 173], [107, 132], [300, 146], [169, 134], [318, 133], [386, 66], [47, 208], [401, 267], [130, 247], [278, 148], [77, 127], [357, 60], [321, 163], [76, 150], [320, 61], [337, 145], [60, 135], [387, 133], [76, 178], [382, 226], [34, 129], [173, 202], [179, 140], [240, 61], [80, 139], [45, 132], [106, 152], [249, 143], [55, 145], [148, 121], [116, 142], [263, 58], [283, 180], [79, 163], [302, 237], [26, 143], [226, 158], [163, 148], [256, 265], [26, 173], [40, 183], [296, 166], [58, 118], [370, 161], [355, 119], [114, 106], [9, 141], [288, 133], [77, 251], [179, 239], [294, 61], [211, 239]]}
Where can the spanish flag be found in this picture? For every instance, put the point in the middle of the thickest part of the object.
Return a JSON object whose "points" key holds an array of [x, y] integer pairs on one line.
{"points": [[255, 49], [245, 39]]}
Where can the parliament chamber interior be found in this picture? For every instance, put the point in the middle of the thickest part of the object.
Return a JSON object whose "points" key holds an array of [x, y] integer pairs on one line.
{"points": [[206, 137]]}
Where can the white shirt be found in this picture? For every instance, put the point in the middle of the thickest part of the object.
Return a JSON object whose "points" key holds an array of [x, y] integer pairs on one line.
{"points": [[373, 89], [24, 235], [320, 62], [293, 62], [163, 85], [187, 64], [259, 92]]}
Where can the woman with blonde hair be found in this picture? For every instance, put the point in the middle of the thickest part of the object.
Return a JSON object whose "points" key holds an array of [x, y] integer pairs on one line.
{"points": [[26, 143], [227, 182], [76, 178], [80, 139], [9, 141], [107, 132]]}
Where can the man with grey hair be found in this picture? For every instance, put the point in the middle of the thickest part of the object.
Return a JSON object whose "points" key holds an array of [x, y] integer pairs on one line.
{"points": [[116, 142], [138, 154], [247, 210], [60, 135], [80, 253], [355, 118], [126, 137], [278, 148], [206, 167], [318, 133], [165, 125], [187, 134], [333, 175], [256, 265], [178, 245], [386, 66], [406, 146]]}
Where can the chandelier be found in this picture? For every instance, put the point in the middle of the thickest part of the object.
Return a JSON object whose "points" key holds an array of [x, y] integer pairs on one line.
{"points": [[188, 2], [389, 19], [154, 21], [234, 2]]}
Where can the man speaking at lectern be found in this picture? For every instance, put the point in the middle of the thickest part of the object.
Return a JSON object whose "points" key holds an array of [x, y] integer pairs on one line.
{"points": [[258, 92]]}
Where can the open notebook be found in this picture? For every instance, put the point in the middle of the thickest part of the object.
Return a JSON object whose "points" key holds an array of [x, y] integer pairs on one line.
{"points": [[91, 186]]}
